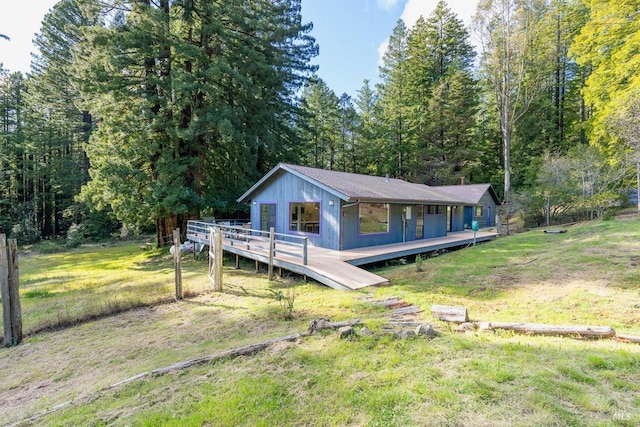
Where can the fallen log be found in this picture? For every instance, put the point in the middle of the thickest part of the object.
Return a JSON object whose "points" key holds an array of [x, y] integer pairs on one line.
{"points": [[591, 332], [450, 314], [247, 350], [628, 338]]}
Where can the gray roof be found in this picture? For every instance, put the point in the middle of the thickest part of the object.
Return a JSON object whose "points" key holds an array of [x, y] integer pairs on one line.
{"points": [[471, 193], [352, 187]]}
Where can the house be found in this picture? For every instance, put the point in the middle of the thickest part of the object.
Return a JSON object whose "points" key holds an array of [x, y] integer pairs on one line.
{"points": [[481, 202], [340, 210]]}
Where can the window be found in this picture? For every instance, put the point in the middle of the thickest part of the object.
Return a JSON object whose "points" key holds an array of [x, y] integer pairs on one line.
{"points": [[304, 217], [373, 218], [478, 211], [419, 221]]}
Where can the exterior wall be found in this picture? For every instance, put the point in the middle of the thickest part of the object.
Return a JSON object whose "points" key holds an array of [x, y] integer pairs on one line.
{"points": [[487, 219], [435, 225], [287, 188]]}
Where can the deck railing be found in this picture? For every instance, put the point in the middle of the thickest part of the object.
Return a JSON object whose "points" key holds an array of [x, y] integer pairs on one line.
{"points": [[250, 239]]}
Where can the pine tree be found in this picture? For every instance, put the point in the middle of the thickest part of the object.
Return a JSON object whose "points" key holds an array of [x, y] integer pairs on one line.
{"points": [[392, 102], [440, 60]]}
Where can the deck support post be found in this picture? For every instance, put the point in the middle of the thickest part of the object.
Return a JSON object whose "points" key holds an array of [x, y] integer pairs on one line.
{"points": [[271, 251], [305, 244], [237, 261]]}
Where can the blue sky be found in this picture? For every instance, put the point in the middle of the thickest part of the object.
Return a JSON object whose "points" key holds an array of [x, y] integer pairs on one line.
{"points": [[351, 33]]}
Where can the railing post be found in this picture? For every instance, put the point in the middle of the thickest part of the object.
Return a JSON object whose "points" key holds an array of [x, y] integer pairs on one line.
{"points": [[305, 243]]}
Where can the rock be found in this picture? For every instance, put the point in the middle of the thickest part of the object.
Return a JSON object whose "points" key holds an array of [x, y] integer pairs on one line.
{"points": [[485, 326], [406, 334], [346, 332], [465, 327], [366, 331], [427, 330], [318, 324]]}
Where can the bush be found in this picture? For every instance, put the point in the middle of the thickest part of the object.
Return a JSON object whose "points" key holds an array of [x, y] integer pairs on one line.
{"points": [[26, 231], [75, 236], [286, 301]]}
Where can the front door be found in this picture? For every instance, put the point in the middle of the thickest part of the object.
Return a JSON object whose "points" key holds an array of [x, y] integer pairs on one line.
{"points": [[267, 216]]}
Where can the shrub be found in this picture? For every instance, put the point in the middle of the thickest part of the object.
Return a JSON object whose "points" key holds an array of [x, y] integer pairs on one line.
{"points": [[286, 301]]}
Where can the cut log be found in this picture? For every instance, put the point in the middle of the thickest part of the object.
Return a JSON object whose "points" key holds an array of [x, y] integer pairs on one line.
{"points": [[247, 350], [628, 338], [592, 332], [450, 314]]}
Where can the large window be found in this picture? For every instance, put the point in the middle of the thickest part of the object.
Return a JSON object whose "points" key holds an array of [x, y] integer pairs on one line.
{"points": [[373, 218], [479, 211], [304, 217]]}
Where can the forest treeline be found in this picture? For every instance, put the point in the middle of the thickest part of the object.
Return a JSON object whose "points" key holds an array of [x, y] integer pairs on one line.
{"points": [[147, 113]]}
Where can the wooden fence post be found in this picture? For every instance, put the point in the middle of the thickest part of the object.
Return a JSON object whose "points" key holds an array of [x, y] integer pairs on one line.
{"points": [[219, 258], [10, 291], [215, 258], [176, 262], [271, 251]]}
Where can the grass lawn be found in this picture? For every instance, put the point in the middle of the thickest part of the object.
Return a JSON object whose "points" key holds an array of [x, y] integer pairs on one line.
{"points": [[587, 276]]}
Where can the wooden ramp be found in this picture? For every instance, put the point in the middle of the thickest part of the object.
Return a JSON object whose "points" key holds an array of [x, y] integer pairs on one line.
{"points": [[336, 269]]}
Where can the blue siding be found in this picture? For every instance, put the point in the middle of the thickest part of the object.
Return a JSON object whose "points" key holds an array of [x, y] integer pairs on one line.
{"points": [[435, 225], [489, 210], [287, 188]]}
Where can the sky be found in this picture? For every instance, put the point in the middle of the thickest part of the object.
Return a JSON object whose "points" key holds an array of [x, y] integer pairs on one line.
{"points": [[352, 34]]}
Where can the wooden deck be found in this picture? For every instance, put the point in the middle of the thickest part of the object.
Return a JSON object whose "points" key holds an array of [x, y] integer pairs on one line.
{"points": [[339, 269]]}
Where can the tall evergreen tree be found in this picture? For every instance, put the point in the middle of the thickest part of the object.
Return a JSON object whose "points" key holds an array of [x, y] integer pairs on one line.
{"points": [[322, 125], [57, 130], [368, 132], [440, 60], [194, 99], [392, 98]]}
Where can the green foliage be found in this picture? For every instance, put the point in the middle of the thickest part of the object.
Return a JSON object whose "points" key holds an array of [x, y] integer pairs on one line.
{"points": [[286, 299], [608, 43], [419, 263], [215, 82]]}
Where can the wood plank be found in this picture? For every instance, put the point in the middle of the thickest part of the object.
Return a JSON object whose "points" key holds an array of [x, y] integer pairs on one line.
{"points": [[450, 314], [556, 330]]}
